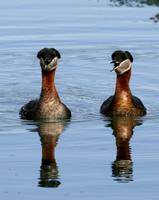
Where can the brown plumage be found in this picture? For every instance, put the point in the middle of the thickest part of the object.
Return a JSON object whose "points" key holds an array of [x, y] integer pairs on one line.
{"points": [[49, 106], [49, 134], [123, 103]]}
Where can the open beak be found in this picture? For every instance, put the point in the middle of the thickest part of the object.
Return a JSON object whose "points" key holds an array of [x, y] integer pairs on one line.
{"points": [[122, 67], [113, 61], [116, 64], [112, 69]]}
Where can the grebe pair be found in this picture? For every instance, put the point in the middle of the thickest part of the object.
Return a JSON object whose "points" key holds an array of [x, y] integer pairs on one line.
{"points": [[49, 106]]}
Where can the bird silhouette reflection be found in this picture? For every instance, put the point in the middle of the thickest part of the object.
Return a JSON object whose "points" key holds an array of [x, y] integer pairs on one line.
{"points": [[122, 167], [49, 135]]}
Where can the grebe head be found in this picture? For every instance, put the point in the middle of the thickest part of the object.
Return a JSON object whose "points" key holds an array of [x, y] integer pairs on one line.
{"points": [[48, 58], [122, 61]]}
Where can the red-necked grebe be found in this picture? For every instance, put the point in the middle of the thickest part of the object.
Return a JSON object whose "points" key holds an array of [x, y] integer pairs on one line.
{"points": [[123, 103], [49, 106]]}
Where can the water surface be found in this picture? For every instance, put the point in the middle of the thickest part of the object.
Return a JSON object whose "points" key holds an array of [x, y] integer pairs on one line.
{"points": [[88, 153]]}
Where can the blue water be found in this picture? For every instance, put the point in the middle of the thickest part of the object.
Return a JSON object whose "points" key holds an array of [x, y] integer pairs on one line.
{"points": [[86, 33]]}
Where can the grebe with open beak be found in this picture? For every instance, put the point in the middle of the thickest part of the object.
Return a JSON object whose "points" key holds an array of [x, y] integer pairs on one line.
{"points": [[123, 103]]}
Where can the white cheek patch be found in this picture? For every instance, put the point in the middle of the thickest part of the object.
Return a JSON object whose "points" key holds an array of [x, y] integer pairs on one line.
{"points": [[54, 62], [52, 65], [123, 67]]}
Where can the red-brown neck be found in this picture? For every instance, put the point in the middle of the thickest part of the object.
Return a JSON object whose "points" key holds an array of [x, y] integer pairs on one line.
{"points": [[122, 90], [122, 82], [48, 89]]}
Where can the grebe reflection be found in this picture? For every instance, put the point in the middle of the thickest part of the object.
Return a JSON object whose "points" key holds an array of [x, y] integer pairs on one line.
{"points": [[122, 167], [49, 135]]}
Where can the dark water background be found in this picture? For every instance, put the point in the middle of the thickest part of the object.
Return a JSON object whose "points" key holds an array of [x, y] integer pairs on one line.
{"points": [[87, 164]]}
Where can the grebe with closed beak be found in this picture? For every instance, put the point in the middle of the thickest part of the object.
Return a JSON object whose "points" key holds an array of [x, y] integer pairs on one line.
{"points": [[123, 103], [49, 106]]}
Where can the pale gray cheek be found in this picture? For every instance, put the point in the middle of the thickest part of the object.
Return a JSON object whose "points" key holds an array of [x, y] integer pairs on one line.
{"points": [[118, 71]]}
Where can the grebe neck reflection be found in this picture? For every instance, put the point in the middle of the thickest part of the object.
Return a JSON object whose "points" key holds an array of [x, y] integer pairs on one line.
{"points": [[49, 135], [122, 167]]}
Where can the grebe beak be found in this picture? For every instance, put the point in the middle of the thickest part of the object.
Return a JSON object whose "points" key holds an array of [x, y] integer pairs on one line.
{"points": [[113, 61], [116, 64], [50, 66], [112, 69], [122, 67]]}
